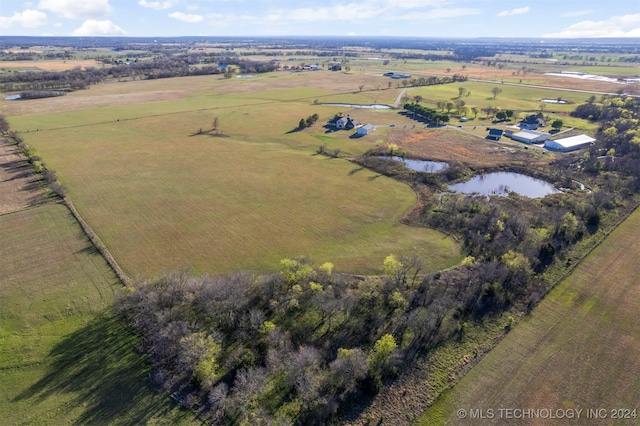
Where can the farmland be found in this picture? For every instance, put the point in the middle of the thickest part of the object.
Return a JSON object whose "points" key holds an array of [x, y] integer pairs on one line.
{"points": [[259, 190], [578, 349], [210, 174]]}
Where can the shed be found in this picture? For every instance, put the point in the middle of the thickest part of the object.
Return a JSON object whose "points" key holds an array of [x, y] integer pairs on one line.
{"points": [[530, 136], [569, 144], [494, 134], [365, 130]]}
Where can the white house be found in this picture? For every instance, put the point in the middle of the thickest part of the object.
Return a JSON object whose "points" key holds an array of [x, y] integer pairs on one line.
{"points": [[365, 130], [569, 144], [530, 136], [532, 122], [346, 123]]}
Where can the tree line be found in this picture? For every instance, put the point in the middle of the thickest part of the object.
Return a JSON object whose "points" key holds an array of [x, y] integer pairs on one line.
{"points": [[161, 67], [427, 113], [303, 345]]}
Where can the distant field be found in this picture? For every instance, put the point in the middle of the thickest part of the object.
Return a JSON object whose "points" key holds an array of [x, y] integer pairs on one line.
{"points": [[161, 199], [578, 349], [53, 65], [63, 357]]}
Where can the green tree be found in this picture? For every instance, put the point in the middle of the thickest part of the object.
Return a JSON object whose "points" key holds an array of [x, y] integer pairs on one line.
{"points": [[557, 124], [449, 106], [295, 271], [383, 348]]}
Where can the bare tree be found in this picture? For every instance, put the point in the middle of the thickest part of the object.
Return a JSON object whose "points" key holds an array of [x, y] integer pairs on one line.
{"points": [[495, 91]]}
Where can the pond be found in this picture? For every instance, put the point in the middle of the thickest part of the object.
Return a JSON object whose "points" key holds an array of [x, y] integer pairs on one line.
{"points": [[13, 97], [584, 76], [421, 165], [372, 106], [501, 183]]}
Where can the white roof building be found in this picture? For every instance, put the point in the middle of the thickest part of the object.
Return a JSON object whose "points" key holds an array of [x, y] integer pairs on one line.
{"points": [[366, 129], [530, 136], [569, 144]]}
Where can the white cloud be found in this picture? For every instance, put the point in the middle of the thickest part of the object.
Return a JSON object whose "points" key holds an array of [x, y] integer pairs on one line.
{"points": [[186, 17], [577, 13], [27, 19], [380, 9], [436, 14], [517, 11], [157, 5], [92, 27], [77, 9], [616, 26]]}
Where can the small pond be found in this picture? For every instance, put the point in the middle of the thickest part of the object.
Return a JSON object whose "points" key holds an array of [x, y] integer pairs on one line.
{"points": [[501, 183], [372, 106], [13, 97], [421, 165]]}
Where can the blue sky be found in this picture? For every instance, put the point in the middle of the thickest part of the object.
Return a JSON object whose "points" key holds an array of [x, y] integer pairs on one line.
{"points": [[413, 18]]}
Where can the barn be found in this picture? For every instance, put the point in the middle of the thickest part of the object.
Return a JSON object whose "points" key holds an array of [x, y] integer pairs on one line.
{"points": [[495, 134], [569, 144], [530, 136], [365, 130]]}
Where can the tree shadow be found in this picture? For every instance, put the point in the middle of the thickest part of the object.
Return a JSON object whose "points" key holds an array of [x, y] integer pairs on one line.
{"points": [[98, 365]]}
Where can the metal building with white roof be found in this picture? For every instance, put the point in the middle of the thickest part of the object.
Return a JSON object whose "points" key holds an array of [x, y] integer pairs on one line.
{"points": [[569, 144]]}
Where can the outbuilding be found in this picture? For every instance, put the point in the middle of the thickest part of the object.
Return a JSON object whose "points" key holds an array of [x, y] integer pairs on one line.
{"points": [[495, 134], [365, 130], [569, 144], [530, 136]]}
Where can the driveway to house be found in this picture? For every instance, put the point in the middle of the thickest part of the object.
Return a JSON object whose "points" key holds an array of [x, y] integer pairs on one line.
{"points": [[396, 104]]}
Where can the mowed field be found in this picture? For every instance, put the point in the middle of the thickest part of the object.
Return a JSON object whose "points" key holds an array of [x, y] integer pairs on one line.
{"points": [[578, 350], [161, 198], [64, 358]]}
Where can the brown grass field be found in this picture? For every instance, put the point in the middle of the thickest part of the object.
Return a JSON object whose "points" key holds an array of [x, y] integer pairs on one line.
{"points": [[20, 188], [53, 65], [161, 198], [577, 350], [457, 145]]}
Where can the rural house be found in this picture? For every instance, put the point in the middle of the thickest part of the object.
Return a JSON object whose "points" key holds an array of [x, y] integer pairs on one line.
{"points": [[346, 123], [532, 122]]}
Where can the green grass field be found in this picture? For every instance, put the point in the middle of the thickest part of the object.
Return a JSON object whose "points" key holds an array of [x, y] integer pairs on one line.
{"points": [[64, 358], [578, 349]]}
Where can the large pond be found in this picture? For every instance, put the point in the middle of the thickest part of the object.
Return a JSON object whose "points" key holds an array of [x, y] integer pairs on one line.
{"points": [[372, 106], [501, 183], [421, 165]]}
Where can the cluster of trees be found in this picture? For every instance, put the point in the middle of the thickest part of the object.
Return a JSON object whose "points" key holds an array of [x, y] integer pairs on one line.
{"points": [[308, 122], [74, 79], [158, 67], [433, 80], [618, 137], [300, 346], [427, 113]]}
